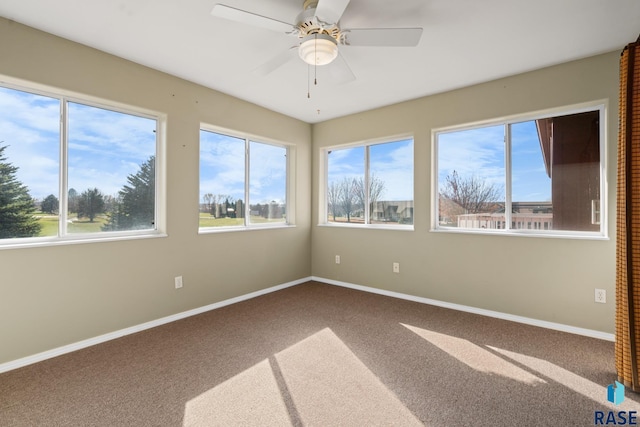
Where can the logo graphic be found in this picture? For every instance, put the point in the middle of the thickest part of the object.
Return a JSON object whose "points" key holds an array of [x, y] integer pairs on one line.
{"points": [[615, 393]]}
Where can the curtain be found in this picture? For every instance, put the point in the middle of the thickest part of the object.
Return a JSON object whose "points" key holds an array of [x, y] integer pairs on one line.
{"points": [[628, 220]]}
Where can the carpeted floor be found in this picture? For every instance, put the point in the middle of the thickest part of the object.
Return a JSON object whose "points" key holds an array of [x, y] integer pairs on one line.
{"points": [[321, 355]]}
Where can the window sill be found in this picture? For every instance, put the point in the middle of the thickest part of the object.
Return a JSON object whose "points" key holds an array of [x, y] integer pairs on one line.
{"points": [[525, 233], [39, 242], [231, 229], [396, 227]]}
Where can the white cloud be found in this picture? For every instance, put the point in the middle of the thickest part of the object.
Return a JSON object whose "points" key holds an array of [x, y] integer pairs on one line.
{"points": [[104, 146], [476, 152], [391, 162], [393, 165], [222, 166]]}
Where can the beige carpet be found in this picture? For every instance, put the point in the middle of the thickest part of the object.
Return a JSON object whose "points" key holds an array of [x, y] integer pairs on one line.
{"points": [[320, 355]]}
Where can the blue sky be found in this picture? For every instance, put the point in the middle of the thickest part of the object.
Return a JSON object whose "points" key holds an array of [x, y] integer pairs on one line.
{"points": [[392, 163], [530, 181], [222, 169], [104, 146], [481, 152], [29, 126]]}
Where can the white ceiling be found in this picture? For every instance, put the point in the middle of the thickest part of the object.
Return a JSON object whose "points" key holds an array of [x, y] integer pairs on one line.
{"points": [[464, 42]]}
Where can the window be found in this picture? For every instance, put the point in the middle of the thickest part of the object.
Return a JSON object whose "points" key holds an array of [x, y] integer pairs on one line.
{"points": [[370, 184], [541, 175], [242, 182], [69, 169]]}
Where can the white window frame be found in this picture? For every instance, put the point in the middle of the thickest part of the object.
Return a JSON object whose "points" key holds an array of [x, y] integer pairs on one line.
{"points": [[290, 181], [64, 97], [601, 106], [323, 215]]}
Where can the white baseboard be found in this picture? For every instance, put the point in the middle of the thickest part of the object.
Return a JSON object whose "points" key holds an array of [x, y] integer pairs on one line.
{"points": [[39, 357], [504, 316]]}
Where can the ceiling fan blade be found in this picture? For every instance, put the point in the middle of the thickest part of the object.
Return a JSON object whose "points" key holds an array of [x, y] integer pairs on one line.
{"points": [[330, 11], [340, 71], [244, 17], [276, 62], [383, 37]]}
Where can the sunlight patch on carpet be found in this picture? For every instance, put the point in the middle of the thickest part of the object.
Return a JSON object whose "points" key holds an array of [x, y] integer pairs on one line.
{"points": [[568, 379], [317, 381], [475, 356], [330, 385], [251, 398]]}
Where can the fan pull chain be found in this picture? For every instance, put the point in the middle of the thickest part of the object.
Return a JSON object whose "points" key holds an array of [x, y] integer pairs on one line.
{"points": [[315, 60], [315, 68]]}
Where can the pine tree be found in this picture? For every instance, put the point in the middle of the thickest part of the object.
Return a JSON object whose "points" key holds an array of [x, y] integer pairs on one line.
{"points": [[90, 204], [50, 204], [135, 209], [16, 205]]}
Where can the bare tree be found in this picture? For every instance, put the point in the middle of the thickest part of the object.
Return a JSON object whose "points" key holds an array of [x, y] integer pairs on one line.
{"points": [[333, 198], [376, 190], [471, 194], [207, 199], [348, 196]]}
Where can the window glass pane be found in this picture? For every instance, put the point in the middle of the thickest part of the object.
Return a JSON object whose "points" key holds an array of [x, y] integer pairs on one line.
{"points": [[29, 164], [222, 180], [531, 205], [391, 182], [569, 153], [268, 183], [111, 170], [345, 173], [471, 178]]}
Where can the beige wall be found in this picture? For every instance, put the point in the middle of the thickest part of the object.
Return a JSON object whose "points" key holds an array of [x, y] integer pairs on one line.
{"points": [[53, 296], [548, 279]]}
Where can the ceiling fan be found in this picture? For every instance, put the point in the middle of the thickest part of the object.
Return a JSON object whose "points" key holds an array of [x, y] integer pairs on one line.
{"points": [[318, 32]]}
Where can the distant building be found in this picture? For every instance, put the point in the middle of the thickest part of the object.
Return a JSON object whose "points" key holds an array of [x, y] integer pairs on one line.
{"points": [[393, 211], [524, 216]]}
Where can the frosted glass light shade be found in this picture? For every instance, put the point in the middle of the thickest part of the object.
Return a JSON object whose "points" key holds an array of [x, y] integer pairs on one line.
{"points": [[318, 49]]}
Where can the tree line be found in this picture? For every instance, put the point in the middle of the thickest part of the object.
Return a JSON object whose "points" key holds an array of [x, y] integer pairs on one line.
{"points": [[465, 194], [132, 208], [225, 206], [134, 205], [347, 197]]}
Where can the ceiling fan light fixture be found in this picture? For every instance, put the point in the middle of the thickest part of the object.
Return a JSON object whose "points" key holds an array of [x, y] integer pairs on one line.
{"points": [[318, 49]]}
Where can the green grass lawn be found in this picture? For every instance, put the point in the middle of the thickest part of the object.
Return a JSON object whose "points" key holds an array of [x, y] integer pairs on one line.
{"points": [[49, 225], [206, 220], [261, 220], [84, 226]]}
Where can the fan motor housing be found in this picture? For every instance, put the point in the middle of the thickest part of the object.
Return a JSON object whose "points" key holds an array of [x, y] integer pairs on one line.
{"points": [[308, 24]]}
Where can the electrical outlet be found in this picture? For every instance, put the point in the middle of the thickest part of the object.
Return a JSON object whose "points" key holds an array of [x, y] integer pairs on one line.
{"points": [[337, 259], [178, 282], [601, 296], [396, 267]]}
